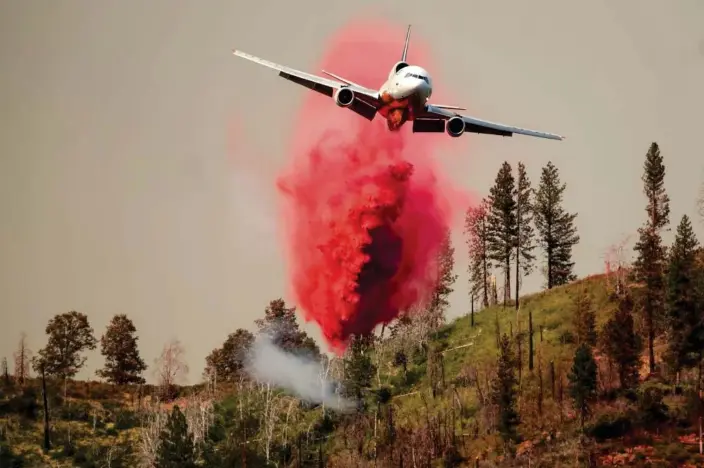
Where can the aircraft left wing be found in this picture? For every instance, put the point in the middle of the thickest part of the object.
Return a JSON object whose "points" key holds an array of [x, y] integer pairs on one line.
{"points": [[475, 125], [367, 100]]}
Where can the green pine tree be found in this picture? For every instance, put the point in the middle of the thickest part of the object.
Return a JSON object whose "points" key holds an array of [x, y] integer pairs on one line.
{"points": [[556, 231], [226, 363], [582, 379], [504, 392], [503, 227], [585, 319], [280, 322], [123, 364], [621, 343], [649, 266], [684, 299], [359, 368], [524, 229], [176, 447]]}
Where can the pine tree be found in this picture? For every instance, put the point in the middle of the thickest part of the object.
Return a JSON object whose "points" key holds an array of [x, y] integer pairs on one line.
{"points": [[585, 319], [649, 266], [446, 278], [504, 392], [280, 321], [503, 228], [583, 380], [123, 365], [226, 363], [556, 231], [524, 229], [477, 231], [621, 343], [70, 334], [684, 299], [359, 368], [176, 448]]}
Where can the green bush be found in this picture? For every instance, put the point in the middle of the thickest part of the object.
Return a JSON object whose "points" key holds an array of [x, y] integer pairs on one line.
{"points": [[676, 453], [650, 403], [611, 425], [125, 419], [76, 411], [25, 405], [567, 337], [8, 459]]}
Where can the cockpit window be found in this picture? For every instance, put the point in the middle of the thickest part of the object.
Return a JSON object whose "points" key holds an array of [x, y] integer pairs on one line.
{"points": [[413, 75]]}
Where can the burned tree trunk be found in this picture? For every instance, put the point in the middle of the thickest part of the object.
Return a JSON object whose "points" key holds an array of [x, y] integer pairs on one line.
{"points": [[47, 441]]}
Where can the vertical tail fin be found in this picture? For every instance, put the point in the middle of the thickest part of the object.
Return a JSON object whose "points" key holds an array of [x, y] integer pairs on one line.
{"points": [[405, 46]]}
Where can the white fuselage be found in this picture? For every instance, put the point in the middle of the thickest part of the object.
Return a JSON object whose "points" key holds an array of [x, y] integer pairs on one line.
{"points": [[408, 81], [404, 94]]}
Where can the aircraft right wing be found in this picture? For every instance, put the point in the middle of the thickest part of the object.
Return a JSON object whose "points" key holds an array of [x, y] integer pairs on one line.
{"points": [[366, 101], [475, 125]]}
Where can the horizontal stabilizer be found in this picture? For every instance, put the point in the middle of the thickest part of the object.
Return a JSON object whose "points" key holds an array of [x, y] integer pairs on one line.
{"points": [[442, 106]]}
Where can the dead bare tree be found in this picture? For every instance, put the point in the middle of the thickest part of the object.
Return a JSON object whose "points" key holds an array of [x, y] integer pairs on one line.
{"points": [[200, 413], [271, 416], [170, 367], [154, 420], [323, 375], [417, 327], [23, 357], [616, 264], [5, 371]]}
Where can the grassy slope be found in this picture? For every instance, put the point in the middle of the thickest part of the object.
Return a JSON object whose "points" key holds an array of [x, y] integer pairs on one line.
{"points": [[465, 347], [96, 416], [553, 310]]}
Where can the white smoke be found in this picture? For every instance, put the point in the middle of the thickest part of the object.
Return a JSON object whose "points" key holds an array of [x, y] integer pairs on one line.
{"points": [[299, 374]]}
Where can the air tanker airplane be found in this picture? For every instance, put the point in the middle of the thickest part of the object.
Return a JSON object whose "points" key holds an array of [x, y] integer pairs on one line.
{"points": [[403, 97]]}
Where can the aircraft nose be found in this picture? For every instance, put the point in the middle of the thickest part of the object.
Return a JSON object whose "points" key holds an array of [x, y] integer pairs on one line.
{"points": [[420, 86], [423, 88]]}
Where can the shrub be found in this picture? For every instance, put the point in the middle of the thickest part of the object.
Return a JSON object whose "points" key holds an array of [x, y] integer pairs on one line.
{"points": [[8, 459], [611, 425], [567, 337], [676, 453], [126, 420], [650, 403], [25, 405], [76, 411]]}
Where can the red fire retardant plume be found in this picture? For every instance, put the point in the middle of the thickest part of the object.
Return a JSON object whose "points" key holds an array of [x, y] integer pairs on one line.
{"points": [[364, 210]]}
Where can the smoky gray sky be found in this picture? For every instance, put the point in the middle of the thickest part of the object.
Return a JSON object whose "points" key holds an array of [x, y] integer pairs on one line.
{"points": [[122, 191]]}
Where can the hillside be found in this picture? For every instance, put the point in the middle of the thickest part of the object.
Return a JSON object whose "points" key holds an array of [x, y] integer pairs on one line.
{"points": [[436, 413]]}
